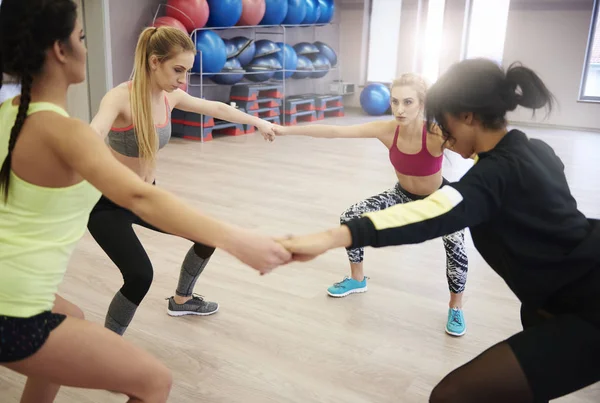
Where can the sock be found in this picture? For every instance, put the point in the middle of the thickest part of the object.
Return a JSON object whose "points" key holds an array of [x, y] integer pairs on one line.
{"points": [[120, 313], [194, 263]]}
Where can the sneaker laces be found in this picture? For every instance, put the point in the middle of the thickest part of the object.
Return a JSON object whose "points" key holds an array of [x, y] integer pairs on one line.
{"points": [[346, 278], [338, 285], [195, 297], [198, 297], [456, 316]]}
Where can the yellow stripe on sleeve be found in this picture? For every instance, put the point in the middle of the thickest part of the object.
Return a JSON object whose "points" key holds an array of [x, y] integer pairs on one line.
{"points": [[437, 204]]}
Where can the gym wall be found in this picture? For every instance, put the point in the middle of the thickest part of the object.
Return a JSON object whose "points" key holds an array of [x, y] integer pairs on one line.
{"points": [[551, 37], [129, 17]]}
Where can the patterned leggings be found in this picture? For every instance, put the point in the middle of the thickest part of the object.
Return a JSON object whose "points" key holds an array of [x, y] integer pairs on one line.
{"points": [[456, 255]]}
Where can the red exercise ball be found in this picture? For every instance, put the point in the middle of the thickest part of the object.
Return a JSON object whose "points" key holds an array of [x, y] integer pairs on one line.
{"points": [[253, 12], [192, 13], [169, 22]]}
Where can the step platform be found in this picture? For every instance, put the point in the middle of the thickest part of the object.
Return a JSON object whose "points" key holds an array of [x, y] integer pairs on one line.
{"points": [[264, 112], [191, 118], [335, 111], [222, 127], [295, 118], [323, 102], [259, 103], [298, 104], [190, 132], [255, 92]]}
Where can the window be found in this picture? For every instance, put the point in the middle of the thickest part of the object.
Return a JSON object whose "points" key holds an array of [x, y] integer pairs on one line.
{"points": [[432, 48], [384, 36], [486, 29], [590, 84]]}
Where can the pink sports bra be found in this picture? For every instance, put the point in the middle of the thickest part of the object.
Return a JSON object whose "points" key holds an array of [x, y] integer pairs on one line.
{"points": [[419, 164]]}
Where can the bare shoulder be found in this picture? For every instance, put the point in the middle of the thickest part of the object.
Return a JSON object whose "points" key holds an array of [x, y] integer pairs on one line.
{"points": [[175, 96], [383, 128]]}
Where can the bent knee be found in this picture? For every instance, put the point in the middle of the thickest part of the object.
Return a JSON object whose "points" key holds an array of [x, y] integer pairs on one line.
{"points": [[446, 392]]}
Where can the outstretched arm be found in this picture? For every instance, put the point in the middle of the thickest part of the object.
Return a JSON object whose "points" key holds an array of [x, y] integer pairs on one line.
{"points": [[186, 102], [366, 130], [80, 148], [472, 200]]}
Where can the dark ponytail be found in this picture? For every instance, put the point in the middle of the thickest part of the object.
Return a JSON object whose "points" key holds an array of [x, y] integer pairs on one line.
{"points": [[26, 82], [27, 30], [481, 87], [533, 93]]}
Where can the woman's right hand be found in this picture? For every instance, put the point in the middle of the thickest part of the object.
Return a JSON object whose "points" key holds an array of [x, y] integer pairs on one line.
{"points": [[257, 251]]}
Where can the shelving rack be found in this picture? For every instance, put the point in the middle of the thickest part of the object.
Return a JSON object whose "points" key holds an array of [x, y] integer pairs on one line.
{"points": [[197, 83]]}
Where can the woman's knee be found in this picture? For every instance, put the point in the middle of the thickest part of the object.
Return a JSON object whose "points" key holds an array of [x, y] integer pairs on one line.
{"points": [[446, 392], [158, 381], [349, 214], [137, 283]]}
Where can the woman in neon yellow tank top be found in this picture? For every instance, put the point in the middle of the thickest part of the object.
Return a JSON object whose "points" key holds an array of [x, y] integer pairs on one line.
{"points": [[54, 169]]}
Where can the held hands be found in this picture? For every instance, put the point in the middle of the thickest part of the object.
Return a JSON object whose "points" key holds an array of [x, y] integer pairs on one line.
{"points": [[307, 247], [265, 254], [267, 130]]}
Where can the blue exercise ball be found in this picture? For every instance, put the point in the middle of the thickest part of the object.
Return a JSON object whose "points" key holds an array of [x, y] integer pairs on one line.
{"points": [[231, 66], [313, 12], [224, 13], [305, 48], [375, 99], [288, 58], [268, 65], [265, 47], [246, 49], [230, 48], [321, 65], [304, 68], [275, 12], [326, 51], [327, 8], [211, 52], [296, 12]]}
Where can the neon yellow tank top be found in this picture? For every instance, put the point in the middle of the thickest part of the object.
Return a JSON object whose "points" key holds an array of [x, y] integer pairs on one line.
{"points": [[39, 228]]}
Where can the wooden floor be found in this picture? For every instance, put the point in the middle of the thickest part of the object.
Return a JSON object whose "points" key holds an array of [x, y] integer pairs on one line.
{"points": [[279, 338]]}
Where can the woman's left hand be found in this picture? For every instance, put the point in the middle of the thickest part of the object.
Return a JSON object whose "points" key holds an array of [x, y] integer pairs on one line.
{"points": [[267, 130]]}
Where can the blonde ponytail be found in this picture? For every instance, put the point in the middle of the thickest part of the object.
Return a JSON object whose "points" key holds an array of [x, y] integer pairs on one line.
{"points": [[164, 43]]}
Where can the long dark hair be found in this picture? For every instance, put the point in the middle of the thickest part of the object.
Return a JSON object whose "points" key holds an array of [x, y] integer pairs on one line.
{"points": [[27, 29], [480, 86]]}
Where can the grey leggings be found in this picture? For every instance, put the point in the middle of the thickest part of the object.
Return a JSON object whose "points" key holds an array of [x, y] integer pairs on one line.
{"points": [[456, 255]]}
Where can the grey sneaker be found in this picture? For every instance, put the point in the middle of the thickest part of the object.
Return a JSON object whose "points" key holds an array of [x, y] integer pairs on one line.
{"points": [[195, 306]]}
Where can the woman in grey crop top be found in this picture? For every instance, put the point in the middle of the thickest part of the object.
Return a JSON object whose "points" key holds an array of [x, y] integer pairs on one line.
{"points": [[135, 138]]}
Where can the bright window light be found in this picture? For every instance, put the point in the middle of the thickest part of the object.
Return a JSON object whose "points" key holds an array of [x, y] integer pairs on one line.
{"points": [[384, 34], [487, 29], [432, 46]]}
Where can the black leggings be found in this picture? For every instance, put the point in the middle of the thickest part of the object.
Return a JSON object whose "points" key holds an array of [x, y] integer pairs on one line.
{"points": [[112, 228], [555, 355]]}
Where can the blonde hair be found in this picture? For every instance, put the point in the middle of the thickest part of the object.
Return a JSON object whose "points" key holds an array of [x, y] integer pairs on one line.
{"points": [[415, 81], [164, 43]]}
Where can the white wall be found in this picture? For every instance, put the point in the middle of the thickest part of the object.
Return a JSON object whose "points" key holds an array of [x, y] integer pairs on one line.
{"points": [[127, 20], [351, 49], [551, 37]]}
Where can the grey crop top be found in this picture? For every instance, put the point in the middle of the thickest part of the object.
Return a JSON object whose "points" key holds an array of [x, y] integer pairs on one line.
{"points": [[124, 141]]}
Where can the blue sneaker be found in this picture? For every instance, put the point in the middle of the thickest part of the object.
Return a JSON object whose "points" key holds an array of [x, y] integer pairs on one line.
{"points": [[347, 286], [456, 322]]}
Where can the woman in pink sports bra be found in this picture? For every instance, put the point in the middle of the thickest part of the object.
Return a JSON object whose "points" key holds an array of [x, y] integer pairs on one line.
{"points": [[416, 156]]}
